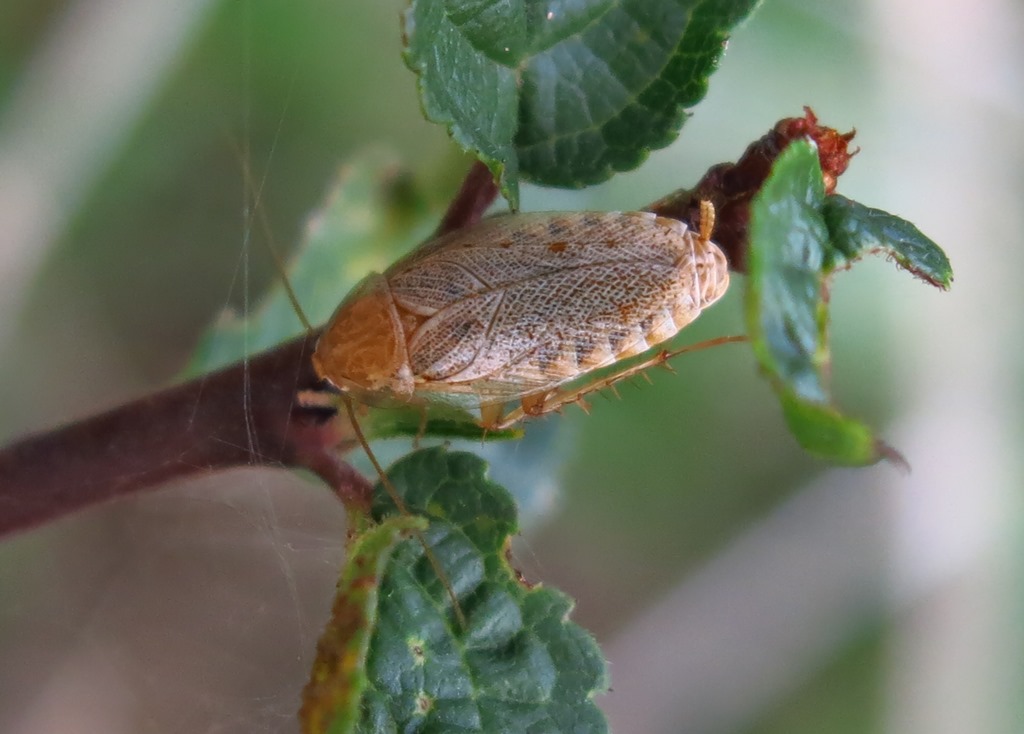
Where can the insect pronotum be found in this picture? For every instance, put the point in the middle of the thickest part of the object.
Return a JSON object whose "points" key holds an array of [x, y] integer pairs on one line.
{"points": [[517, 306]]}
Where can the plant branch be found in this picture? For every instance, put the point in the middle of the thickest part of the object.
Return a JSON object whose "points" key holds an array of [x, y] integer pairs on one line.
{"points": [[477, 193], [243, 415], [731, 187], [248, 414]]}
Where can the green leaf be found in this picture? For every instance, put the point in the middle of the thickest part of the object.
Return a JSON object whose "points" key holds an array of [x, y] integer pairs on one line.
{"points": [[798, 238], [566, 92], [790, 256], [463, 89], [371, 214], [826, 432], [330, 701], [856, 230], [518, 665]]}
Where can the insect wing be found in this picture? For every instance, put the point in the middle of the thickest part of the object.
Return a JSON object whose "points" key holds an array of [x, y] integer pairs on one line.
{"points": [[536, 299]]}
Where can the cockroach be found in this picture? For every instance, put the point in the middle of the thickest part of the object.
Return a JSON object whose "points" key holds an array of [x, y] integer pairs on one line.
{"points": [[517, 306]]}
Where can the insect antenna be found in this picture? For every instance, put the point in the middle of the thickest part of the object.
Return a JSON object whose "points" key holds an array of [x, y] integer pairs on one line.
{"points": [[403, 508], [279, 266], [389, 487]]}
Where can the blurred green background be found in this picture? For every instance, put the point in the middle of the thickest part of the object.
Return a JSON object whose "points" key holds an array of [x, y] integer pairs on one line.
{"points": [[737, 584]]}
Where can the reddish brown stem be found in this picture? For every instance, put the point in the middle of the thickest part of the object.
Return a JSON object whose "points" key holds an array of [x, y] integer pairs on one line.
{"points": [[731, 187], [243, 415], [477, 193]]}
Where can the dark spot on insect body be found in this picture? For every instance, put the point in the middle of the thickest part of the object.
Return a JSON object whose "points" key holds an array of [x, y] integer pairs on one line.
{"points": [[545, 356], [558, 246], [615, 338], [453, 291], [584, 347], [557, 227], [320, 414]]}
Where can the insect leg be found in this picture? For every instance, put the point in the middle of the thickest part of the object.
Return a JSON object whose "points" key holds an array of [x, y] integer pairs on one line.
{"points": [[546, 402]]}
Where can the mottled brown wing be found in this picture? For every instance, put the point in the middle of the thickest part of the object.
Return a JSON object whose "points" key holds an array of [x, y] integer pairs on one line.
{"points": [[518, 304]]}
